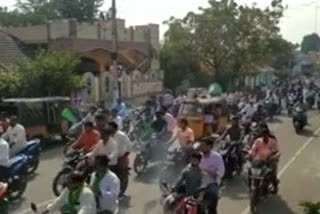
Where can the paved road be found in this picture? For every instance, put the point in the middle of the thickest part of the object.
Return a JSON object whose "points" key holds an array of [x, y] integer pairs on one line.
{"points": [[299, 171]]}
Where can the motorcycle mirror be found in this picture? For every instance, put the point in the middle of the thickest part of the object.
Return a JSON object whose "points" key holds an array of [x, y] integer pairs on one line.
{"points": [[34, 207]]}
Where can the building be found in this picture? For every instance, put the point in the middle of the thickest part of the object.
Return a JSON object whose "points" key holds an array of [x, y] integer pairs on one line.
{"points": [[138, 56], [12, 50]]}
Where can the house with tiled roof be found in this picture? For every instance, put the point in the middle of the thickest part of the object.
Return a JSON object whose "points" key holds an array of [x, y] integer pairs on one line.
{"points": [[139, 67], [11, 50]]}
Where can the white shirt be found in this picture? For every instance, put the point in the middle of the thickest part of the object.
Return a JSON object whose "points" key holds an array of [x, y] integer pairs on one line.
{"points": [[109, 187], [87, 202], [109, 149], [118, 121], [4, 153], [123, 142], [249, 111], [17, 137], [171, 122]]}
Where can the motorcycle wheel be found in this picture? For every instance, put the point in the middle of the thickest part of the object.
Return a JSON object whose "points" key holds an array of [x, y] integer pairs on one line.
{"points": [[254, 201], [17, 187], [34, 165], [58, 182], [139, 164]]}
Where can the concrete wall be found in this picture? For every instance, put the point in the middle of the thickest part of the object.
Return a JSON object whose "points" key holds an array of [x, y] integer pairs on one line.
{"points": [[59, 29], [87, 30], [36, 33]]}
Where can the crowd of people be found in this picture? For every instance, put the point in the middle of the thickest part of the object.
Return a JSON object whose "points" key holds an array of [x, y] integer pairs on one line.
{"points": [[107, 147]]}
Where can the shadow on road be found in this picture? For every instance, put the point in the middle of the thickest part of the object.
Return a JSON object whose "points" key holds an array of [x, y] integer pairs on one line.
{"points": [[151, 175], [125, 205], [275, 120], [308, 133], [150, 206], [275, 205], [235, 189], [16, 205]]}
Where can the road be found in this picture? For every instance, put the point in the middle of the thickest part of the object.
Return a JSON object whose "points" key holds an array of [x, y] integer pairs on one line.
{"points": [[299, 171]]}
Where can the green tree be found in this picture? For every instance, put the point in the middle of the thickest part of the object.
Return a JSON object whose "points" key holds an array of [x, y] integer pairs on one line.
{"points": [[231, 38], [310, 43], [49, 74], [10, 83]]}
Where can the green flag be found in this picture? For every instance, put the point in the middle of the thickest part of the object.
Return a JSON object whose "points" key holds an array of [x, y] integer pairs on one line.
{"points": [[68, 115]]}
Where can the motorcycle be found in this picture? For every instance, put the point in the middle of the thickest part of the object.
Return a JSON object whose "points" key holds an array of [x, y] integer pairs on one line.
{"points": [[148, 155], [17, 178], [176, 161], [232, 157], [299, 119], [3, 199], [70, 163], [290, 105], [260, 185], [180, 203], [32, 151]]}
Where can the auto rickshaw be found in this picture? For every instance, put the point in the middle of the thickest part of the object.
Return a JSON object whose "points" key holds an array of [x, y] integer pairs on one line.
{"points": [[41, 117], [206, 116]]}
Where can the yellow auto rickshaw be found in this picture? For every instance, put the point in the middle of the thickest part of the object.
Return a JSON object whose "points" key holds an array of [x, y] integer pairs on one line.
{"points": [[206, 116]]}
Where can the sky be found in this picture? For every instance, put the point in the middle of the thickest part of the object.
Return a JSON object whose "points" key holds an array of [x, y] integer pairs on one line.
{"points": [[300, 18]]}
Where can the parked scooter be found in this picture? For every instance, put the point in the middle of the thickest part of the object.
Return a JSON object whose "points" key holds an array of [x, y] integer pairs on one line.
{"points": [[32, 151], [3, 199]]}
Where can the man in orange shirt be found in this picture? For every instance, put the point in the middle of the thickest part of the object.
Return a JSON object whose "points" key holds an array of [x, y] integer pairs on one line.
{"points": [[88, 139]]}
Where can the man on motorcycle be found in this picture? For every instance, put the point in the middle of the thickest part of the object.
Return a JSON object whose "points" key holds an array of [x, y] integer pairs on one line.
{"points": [[116, 118], [121, 109], [91, 114], [4, 159], [76, 198], [190, 179], [105, 186], [171, 122], [15, 136], [259, 115], [234, 131], [185, 134], [249, 110], [266, 149], [101, 121], [88, 139], [107, 147], [213, 167]]}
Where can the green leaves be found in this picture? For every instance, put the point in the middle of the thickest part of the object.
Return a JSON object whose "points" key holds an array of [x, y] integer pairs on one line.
{"points": [[310, 207], [233, 39], [49, 74], [311, 43]]}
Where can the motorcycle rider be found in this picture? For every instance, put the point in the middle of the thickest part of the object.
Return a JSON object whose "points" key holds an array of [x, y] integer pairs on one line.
{"points": [[171, 123], [234, 131], [213, 167], [15, 136], [4, 159], [101, 121], [259, 115], [266, 149], [116, 118], [249, 110], [121, 109], [107, 147], [91, 115], [106, 186], [124, 147], [76, 198], [88, 139]]}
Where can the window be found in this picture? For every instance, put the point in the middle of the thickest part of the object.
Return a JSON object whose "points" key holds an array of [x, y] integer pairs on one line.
{"points": [[193, 109]]}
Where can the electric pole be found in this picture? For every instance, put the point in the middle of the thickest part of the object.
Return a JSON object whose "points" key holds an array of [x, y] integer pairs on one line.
{"points": [[116, 83]]}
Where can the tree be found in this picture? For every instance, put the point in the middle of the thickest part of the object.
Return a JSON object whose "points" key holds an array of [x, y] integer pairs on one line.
{"points": [[33, 12], [310, 43], [310, 207], [232, 39], [10, 83], [49, 74], [81, 10]]}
